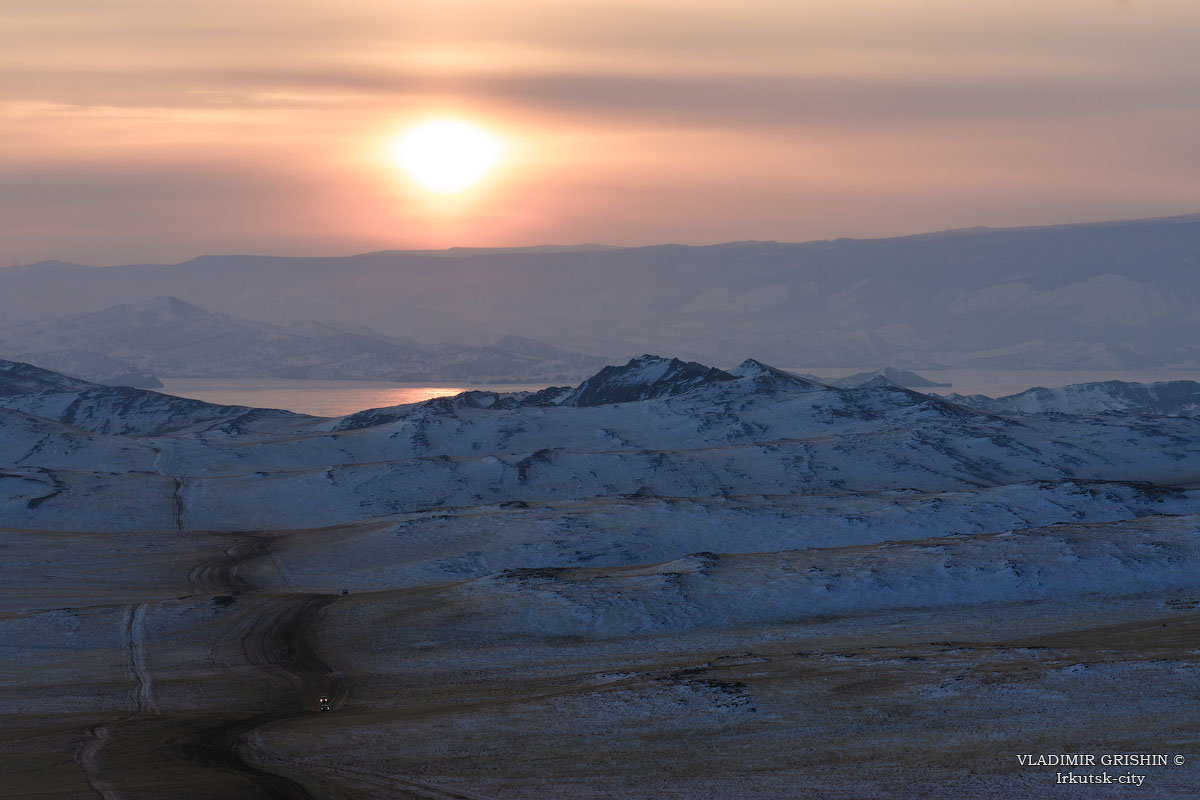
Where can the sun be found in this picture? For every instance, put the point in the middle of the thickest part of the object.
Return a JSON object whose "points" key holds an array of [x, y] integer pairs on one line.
{"points": [[447, 156]]}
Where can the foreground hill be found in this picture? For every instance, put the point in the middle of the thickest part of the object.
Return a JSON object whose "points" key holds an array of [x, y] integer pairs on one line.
{"points": [[653, 427], [1111, 295], [667, 581]]}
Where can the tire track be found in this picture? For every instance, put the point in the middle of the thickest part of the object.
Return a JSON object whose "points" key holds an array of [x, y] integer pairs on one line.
{"points": [[133, 648], [135, 651], [87, 757], [177, 488], [221, 575]]}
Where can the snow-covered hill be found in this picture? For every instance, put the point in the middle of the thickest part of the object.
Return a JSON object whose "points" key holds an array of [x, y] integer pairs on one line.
{"points": [[654, 427], [447, 544], [121, 410], [1169, 398], [42, 450], [17, 379], [722, 591]]}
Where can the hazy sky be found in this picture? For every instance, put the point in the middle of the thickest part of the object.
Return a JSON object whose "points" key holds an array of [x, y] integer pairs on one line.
{"points": [[143, 130]]}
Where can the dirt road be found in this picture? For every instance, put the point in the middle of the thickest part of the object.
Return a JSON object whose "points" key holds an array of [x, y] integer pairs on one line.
{"points": [[279, 643], [209, 751]]}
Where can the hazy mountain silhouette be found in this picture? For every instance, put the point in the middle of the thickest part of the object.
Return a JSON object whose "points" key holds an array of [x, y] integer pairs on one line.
{"points": [[1106, 295]]}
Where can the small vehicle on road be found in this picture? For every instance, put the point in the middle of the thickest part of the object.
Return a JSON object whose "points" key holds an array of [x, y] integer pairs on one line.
{"points": [[324, 703]]}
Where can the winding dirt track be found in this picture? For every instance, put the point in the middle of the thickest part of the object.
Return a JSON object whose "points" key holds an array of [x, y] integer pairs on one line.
{"points": [[279, 642]]}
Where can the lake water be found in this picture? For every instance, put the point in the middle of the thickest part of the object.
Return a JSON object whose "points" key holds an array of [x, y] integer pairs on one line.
{"points": [[322, 398], [336, 398]]}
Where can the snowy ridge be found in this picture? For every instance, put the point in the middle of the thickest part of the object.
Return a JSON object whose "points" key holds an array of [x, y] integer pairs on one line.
{"points": [[18, 378], [707, 433], [643, 378], [120, 410], [719, 591]]}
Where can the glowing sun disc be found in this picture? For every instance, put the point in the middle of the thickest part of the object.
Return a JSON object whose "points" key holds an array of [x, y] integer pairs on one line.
{"points": [[447, 156]]}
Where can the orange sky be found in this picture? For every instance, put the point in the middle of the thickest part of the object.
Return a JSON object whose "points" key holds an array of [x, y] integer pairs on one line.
{"points": [[151, 131]]}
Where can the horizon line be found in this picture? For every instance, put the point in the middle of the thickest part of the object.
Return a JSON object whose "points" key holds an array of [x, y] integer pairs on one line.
{"points": [[596, 247]]}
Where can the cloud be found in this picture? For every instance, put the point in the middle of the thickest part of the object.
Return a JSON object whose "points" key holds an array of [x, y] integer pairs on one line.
{"points": [[733, 101], [134, 126]]}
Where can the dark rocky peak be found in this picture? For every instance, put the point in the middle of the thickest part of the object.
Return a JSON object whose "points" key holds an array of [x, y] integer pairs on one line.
{"points": [[644, 378], [550, 396]]}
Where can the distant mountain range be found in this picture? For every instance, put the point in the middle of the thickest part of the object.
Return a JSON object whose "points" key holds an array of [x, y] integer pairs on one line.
{"points": [[1165, 398], [131, 343], [1101, 296], [91, 366]]}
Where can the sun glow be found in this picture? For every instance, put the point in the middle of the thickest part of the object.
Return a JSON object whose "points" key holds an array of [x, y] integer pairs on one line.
{"points": [[447, 156]]}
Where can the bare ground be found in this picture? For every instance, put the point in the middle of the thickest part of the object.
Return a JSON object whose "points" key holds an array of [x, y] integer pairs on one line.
{"points": [[195, 674]]}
